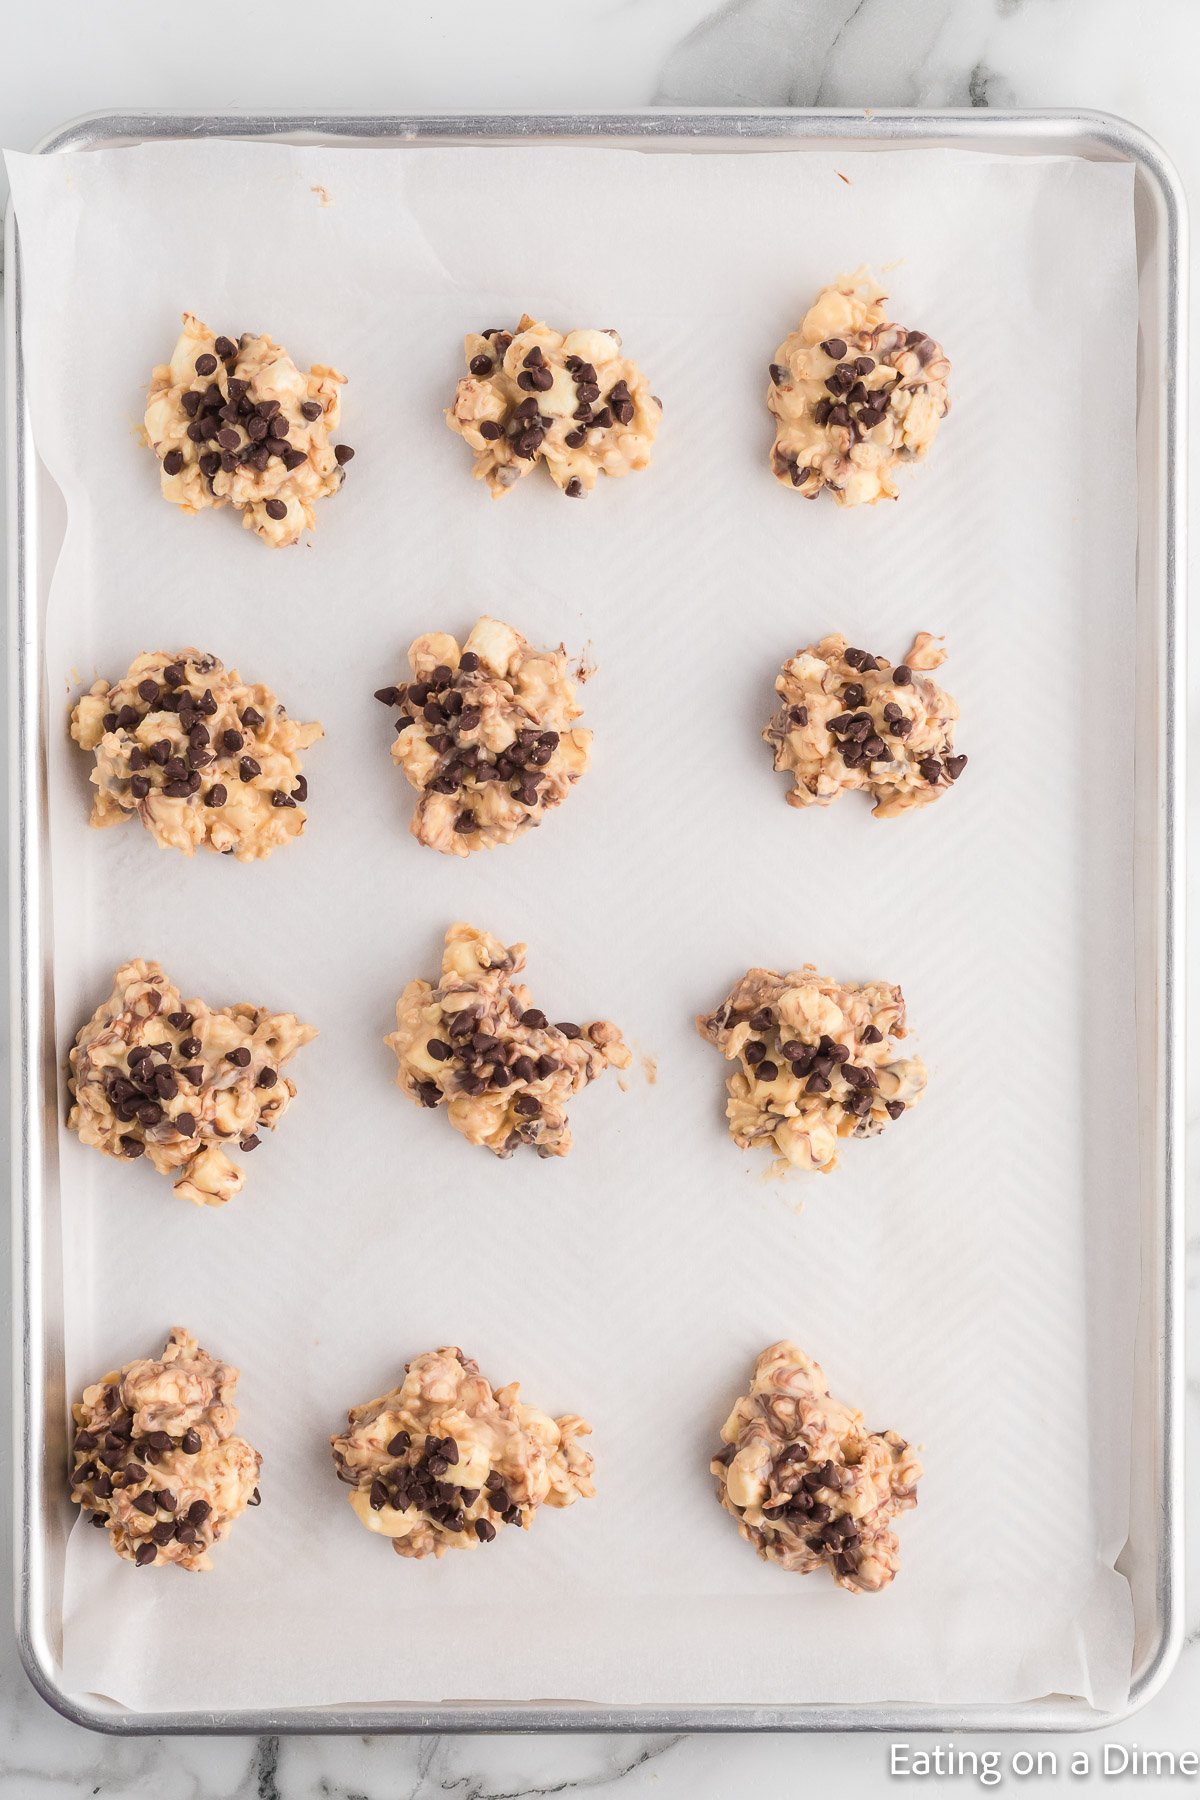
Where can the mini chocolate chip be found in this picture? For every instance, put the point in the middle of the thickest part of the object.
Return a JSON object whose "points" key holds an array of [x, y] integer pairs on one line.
{"points": [[528, 1105], [251, 1142], [146, 1503], [902, 675], [216, 795], [574, 488], [248, 768], [955, 766], [568, 1029], [835, 347], [894, 1108], [931, 769], [139, 787], [767, 1071], [145, 1553], [173, 461], [184, 1124], [342, 452], [198, 1511], [276, 509], [206, 364], [133, 1146], [189, 1443], [485, 1531]]}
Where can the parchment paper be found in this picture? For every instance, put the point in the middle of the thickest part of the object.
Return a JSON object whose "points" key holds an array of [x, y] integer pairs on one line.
{"points": [[970, 1277]]}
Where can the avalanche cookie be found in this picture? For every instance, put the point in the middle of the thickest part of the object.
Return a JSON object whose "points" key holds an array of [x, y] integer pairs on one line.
{"points": [[806, 1484], [815, 1062], [155, 1460], [477, 1046], [238, 424], [202, 758], [445, 1462], [485, 736], [153, 1075], [572, 402], [847, 719], [854, 396]]}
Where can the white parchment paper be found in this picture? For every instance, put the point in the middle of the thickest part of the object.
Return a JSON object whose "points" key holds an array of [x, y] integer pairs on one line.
{"points": [[970, 1277]]}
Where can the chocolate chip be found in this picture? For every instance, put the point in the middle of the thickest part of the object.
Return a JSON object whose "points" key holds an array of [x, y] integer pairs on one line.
{"points": [[145, 1553], [481, 365], [206, 364], [428, 1093], [754, 1052], [198, 1511], [173, 461], [574, 488], [250, 1143], [778, 374], [767, 1071], [146, 1503], [902, 675], [894, 1108], [276, 509], [133, 1146], [311, 410], [798, 715], [342, 453], [217, 795], [248, 768], [955, 766], [189, 1443], [817, 1083], [185, 1124], [931, 769], [527, 1105], [139, 787], [568, 1029], [485, 1531], [835, 347]]}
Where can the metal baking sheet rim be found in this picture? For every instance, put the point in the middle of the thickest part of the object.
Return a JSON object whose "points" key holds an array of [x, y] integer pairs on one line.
{"points": [[1160, 534]]}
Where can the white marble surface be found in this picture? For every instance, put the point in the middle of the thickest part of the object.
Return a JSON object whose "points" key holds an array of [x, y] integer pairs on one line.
{"points": [[64, 57]]}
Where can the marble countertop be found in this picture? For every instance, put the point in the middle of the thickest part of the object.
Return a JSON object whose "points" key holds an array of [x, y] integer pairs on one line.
{"points": [[1132, 57]]}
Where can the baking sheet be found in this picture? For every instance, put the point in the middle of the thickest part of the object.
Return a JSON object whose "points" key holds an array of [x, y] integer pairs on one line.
{"points": [[968, 1278]]}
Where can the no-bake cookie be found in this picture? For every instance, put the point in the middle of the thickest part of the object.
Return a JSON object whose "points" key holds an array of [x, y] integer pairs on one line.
{"points": [[816, 1061], [238, 424], [486, 735], [572, 402], [155, 1459], [806, 1484], [444, 1462], [154, 1075], [847, 719], [202, 758], [854, 396], [477, 1046]]}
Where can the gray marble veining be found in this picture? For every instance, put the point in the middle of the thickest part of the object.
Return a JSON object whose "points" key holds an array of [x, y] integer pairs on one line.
{"points": [[1128, 56]]}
